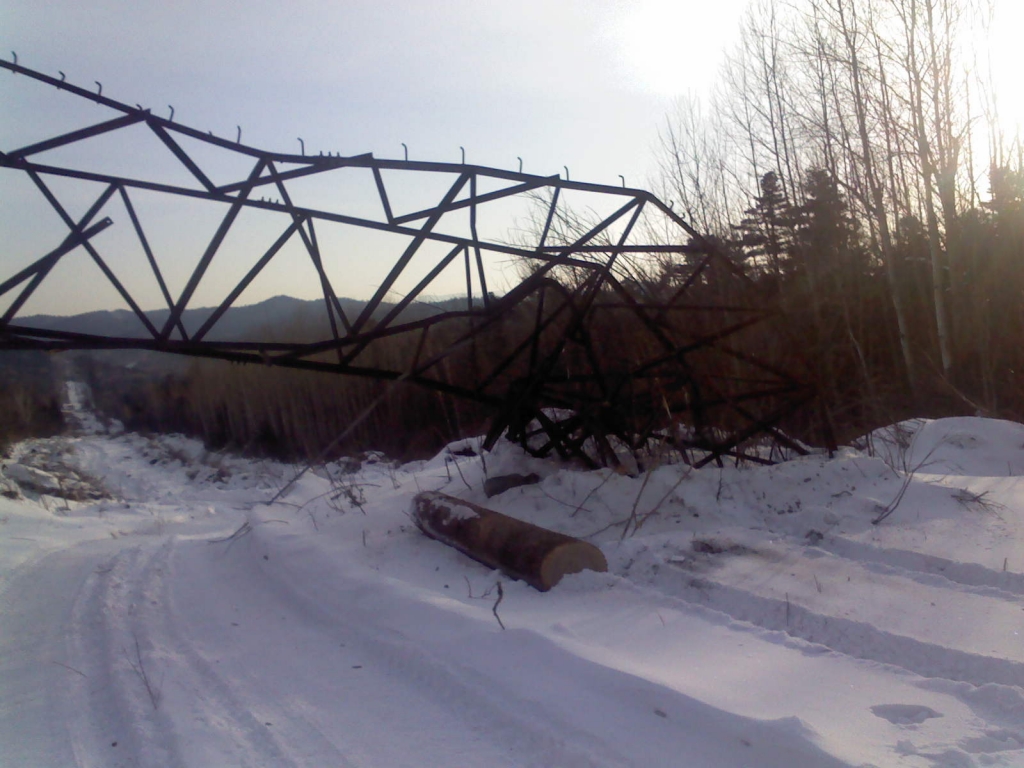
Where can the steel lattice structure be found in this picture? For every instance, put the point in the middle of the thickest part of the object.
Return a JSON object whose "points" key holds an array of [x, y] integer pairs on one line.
{"points": [[624, 326]]}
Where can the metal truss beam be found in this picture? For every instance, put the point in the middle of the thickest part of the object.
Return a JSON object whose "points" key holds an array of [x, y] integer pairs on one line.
{"points": [[597, 347]]}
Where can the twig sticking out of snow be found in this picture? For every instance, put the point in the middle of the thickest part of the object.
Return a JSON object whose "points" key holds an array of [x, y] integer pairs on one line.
{"points": [[494, 609], [969, 500], [902, 464], [455, 461], [892, 505], [244, 529], [140, 669], [632, 513], [78, 671], [638, 520], [608, 476]]}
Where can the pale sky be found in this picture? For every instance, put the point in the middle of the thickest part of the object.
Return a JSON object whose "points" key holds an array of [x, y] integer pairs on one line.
{"points": [[557, 82]]}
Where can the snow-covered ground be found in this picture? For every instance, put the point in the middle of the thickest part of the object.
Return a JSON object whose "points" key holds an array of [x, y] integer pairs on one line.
{"points": [[167, 615]]}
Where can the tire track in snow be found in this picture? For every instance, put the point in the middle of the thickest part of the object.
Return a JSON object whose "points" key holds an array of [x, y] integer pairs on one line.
{"points": [[857, 639], [39, 676], [125, 605], [442, 694], [275, 737], [928, 569], [107, 729], [471, 694]]}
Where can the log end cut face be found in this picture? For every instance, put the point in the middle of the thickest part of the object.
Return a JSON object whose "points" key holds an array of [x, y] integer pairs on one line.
{"points": [[571, 557]]}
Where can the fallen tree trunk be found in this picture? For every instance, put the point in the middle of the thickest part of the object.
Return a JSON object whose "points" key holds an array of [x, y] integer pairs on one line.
{"points": [[522, 550]]}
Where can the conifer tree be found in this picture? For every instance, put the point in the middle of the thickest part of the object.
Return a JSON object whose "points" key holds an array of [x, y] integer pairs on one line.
{"points": [[766, 232]]}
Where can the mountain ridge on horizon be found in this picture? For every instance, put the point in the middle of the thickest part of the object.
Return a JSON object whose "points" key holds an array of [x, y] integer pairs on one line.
{"points": [[280, 313]]}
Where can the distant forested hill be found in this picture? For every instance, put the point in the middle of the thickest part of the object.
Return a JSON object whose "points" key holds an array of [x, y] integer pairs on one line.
{"points": [[276, 319]]}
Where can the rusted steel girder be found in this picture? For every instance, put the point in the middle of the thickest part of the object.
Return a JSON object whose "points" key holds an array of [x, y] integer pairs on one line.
{"points": [[623, 325]]}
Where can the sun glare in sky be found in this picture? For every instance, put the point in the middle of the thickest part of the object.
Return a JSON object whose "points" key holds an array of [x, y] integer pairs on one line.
{"points": [[667, 46], [1007, 62], [651, 48]]}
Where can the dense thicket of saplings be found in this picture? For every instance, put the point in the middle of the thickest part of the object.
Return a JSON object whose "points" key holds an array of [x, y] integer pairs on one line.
{"points": [[29, 397]]}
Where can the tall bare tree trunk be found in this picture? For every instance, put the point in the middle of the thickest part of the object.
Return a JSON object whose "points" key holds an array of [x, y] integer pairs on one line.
{"points": [[849, 34], [915, 87]]}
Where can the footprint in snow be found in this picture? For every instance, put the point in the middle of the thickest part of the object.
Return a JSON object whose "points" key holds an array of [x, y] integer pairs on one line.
{"points": [[905, 714]]}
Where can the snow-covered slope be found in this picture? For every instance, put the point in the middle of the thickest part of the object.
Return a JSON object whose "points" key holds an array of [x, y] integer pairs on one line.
{"points": [[750, 617]]}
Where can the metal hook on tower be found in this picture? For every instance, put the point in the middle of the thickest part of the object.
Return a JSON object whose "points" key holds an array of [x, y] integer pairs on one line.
{"points": [[15, 58], [63, 77], [172, 112], [238, 139], [406, 151], [463, 155], [623, 180], [303, 145], [566, 172], [520, 163], [99, 87]]}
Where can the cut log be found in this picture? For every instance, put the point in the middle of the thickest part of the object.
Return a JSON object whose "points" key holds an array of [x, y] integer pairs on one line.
{"points": [[522, 550]]}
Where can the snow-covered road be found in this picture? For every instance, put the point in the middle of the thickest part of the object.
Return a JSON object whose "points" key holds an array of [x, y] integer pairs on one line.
{"points": [[757, 618]]}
